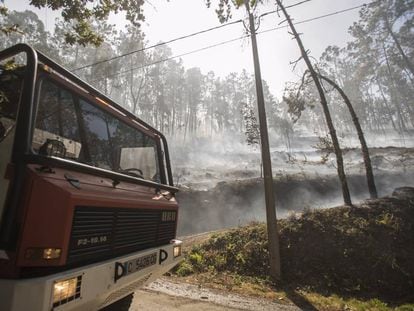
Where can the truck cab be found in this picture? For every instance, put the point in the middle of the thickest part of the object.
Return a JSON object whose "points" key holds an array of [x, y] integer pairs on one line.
{"points": [[87, 203]]}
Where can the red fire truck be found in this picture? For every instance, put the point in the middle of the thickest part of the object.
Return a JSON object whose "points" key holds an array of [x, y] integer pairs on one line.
{"points": [[87, 203]]}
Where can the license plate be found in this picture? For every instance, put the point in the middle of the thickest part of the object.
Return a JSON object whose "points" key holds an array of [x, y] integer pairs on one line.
{"points": [[134, 265]]}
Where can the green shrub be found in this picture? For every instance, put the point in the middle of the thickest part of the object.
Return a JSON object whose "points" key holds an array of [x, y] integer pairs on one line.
{"points": [[184, 269], [196, 259]]}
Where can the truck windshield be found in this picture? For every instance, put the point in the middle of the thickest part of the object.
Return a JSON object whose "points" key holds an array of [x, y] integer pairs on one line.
{"points": [[70, 127]]}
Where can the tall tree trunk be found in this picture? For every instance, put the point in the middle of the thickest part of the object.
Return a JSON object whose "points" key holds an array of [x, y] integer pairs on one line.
{"points": [[135, 97], [407, 61], [395, 94], [186, 121], [364, 148], [338, 152], [173, 100], [211, 118], [384, 99], [76, 56]]}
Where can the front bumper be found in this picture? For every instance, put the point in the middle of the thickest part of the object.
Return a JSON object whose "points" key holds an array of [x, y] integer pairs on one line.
{"points": [[101, 283]]}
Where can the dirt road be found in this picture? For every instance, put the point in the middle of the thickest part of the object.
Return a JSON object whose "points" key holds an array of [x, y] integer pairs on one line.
{"points": [[164, 295]]}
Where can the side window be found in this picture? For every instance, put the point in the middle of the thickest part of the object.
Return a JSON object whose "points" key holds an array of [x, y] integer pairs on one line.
{"points": [[10, 88], [56, 130], [11, 77]]}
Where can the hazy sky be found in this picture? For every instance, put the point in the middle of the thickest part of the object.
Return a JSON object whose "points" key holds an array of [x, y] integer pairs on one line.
{"points": [[166, 20], [276, 48]]}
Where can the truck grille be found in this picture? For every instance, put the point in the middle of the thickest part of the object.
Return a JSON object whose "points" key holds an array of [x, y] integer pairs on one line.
{"points": [[99, 233]]}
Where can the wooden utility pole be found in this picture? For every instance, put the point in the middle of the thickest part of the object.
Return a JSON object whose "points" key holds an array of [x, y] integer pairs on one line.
{"points": [[272, 231]]}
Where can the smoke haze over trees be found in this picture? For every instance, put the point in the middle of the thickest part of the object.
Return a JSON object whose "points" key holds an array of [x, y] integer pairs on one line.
{"points": [[178, 101], [375, 69]]}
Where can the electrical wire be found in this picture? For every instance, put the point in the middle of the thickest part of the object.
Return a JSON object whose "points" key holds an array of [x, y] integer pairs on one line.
{"points": [[178, 39], [286, 7], [170, 58], [225, 42], [157, 45], [315, 18]]}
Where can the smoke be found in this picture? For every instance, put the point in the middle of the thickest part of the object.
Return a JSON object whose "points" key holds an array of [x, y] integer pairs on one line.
{"points": [[201, 163], [231, 204], [221, 186]]}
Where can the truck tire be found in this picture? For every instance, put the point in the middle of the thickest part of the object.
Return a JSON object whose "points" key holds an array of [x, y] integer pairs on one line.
{"points": [[120, 305]]}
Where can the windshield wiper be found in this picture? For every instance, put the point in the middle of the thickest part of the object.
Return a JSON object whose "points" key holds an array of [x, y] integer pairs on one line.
{"points": [[134, 172]]}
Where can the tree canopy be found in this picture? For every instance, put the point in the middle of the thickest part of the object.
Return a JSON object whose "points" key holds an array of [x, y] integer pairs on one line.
{"points": [[81, 14], [177, 100]]}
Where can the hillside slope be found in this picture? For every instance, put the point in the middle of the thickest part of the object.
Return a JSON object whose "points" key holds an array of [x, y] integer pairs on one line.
{"points": [[365, 251]]}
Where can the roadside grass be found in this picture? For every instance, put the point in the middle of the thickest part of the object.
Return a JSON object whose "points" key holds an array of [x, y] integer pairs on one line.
{"points": [[255, 287], [343, 258]]}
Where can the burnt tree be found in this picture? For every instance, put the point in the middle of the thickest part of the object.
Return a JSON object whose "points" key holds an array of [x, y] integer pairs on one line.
{"points": [[364, 148], [324, 103]]}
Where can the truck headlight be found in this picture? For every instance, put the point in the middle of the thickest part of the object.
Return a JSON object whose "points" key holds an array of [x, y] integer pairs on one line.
{"points": [[177, 247], [43, 253], [66, 290], [51, 253], [177, 251]]}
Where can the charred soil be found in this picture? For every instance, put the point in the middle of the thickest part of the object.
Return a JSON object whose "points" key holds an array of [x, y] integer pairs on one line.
{"points": [[237, 202]]}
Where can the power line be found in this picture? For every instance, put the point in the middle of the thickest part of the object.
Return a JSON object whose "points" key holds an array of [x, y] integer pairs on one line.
{"points": [[157, 45], [177, 39], [226, 42], [170, 58], [286, 7], [315, 18]]}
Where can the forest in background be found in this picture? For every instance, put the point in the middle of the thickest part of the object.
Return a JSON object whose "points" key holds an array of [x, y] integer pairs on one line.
{"points": [[375, 69]]}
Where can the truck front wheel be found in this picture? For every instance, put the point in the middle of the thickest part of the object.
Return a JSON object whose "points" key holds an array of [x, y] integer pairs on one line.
{"points": [[120, 305]]}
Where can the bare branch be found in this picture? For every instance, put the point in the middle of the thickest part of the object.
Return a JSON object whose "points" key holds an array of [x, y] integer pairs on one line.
{"points": [[284, 21], [296, 61]]}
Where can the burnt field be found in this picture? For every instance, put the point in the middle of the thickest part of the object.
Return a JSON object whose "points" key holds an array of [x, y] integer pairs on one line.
{"points": [[217, 198]]}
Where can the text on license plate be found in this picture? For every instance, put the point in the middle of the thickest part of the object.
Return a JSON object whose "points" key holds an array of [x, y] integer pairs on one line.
{"points": [[134, 265]]}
